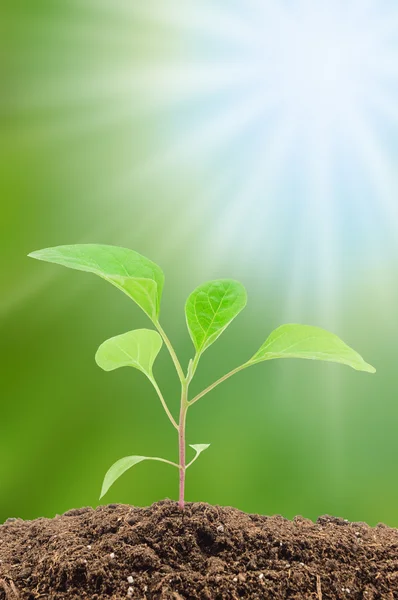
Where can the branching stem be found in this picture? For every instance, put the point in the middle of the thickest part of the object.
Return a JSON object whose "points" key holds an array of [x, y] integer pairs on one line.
{"points": [[185, 404], [163, 401], [216, 383], [193, 460], [170, 348], [164, 460]]}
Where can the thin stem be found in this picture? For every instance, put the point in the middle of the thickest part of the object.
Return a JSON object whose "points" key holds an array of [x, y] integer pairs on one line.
{"points": [[193, 460], [163, 401], [171, 351], [193, 367], [169, 462], [216, 383], [181, 443]]}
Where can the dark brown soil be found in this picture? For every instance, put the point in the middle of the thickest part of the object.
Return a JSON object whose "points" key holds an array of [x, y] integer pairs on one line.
{"points": [[206, 552]]}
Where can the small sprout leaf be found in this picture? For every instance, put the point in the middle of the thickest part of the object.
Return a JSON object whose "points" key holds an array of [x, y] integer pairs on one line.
{"points": [[138, 349], [137, 276], [306, 341], [122, 465], [211, 308], [199, 447]]}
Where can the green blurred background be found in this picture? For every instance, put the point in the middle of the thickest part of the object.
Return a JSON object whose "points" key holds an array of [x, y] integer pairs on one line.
{"points": [[155, 126]]}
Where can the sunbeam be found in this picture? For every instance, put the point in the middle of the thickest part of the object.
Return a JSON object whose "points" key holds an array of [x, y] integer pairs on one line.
{"points": [[320, 68], [269, 98]]}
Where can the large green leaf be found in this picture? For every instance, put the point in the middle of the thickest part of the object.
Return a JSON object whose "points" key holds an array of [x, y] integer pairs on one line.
{"points": [[122, 465], [211, 308], [314, 343], [138, 348], [137, 276]]}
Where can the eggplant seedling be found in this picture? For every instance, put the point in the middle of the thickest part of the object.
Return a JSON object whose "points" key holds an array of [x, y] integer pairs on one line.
{"points": [[209, 310]]}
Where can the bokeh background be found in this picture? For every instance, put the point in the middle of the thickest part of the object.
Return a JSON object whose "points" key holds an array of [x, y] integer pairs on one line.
{"points": [[250, 139]]}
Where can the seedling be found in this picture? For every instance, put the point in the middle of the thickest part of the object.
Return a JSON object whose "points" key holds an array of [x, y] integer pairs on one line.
{"points": [[209, 310]]}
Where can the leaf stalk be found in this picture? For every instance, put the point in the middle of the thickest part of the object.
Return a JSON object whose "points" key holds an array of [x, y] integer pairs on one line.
{"points": [[172, 353], [216, 383], [193, 460], [163, 401]]}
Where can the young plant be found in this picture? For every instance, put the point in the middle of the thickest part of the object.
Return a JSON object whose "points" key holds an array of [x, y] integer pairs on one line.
{"points": [[209, 310]]}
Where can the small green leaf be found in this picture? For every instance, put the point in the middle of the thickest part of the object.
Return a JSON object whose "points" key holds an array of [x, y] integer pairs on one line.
{"points": [[314, 343], [211, 308], [122, 465], [137, 276], [138, 348], [199, 448]]}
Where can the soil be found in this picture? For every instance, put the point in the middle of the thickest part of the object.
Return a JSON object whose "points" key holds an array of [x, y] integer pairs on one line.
{"points": [[206, 552]]}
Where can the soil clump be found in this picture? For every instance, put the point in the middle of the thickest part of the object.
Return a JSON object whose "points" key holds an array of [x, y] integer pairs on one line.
{"points": [[119, 552]]}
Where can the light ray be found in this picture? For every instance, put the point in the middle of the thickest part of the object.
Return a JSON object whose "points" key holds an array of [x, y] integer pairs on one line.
{"points": [[380, 171], [248, 88]]}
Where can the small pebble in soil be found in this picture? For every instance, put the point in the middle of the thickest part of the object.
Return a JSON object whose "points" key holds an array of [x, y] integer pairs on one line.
{"points": [[130, 579], [261, 576], [130, 592], [112, 555], [88, 547], [235, 579], [220, 528]]}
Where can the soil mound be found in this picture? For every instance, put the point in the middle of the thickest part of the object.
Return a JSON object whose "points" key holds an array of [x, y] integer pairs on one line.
{"points": [[206, 553]]}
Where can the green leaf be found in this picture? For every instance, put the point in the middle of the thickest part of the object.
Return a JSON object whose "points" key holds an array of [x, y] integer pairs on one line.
{"points": [[199, 448], [314, 343], [138, 348], [137, 276], [211, 308], [122, 465]]}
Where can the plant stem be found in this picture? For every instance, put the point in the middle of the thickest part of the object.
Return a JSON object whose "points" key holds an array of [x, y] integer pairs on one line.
{"points": [[216, 383], [181, 442], [171, 351], [163, 401], [168, 462], [194, 366], [193, 460], [183, 412]]}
